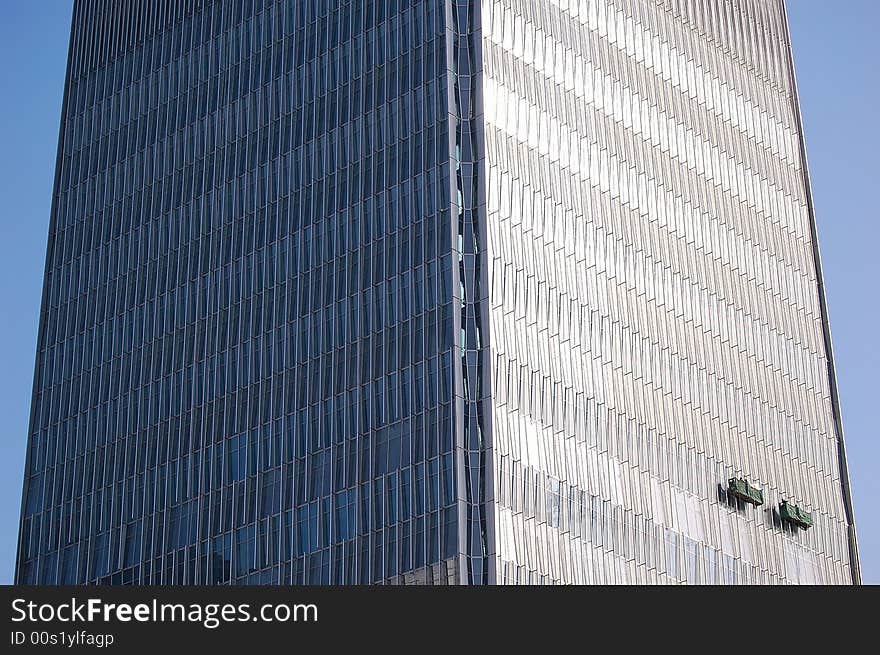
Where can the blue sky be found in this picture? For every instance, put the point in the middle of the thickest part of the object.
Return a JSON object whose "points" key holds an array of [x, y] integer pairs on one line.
{"points": [[836, 53]]}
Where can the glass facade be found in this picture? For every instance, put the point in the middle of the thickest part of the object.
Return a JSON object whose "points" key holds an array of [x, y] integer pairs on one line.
{"points": [[432, 292], [245, 361], [656, 312]]}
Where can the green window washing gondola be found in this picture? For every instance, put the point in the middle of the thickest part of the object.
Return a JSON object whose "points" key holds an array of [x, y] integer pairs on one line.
{"points": [[794, 514], [744, 491]]}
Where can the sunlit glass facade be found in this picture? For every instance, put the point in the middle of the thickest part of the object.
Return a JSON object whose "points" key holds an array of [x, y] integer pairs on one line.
{"points": [[437, 292], [657, 321]]}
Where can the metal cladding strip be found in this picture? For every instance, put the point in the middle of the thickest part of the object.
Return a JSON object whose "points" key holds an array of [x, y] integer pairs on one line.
{"points": [[852, 540], [475, 465]]}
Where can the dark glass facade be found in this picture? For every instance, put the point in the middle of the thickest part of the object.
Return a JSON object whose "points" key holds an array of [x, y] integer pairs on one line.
{"points": [[284, 231], [247, 344]]}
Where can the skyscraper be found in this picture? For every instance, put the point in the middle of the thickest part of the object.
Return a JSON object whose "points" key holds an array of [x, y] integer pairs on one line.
{"points": [[514, 291]]}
